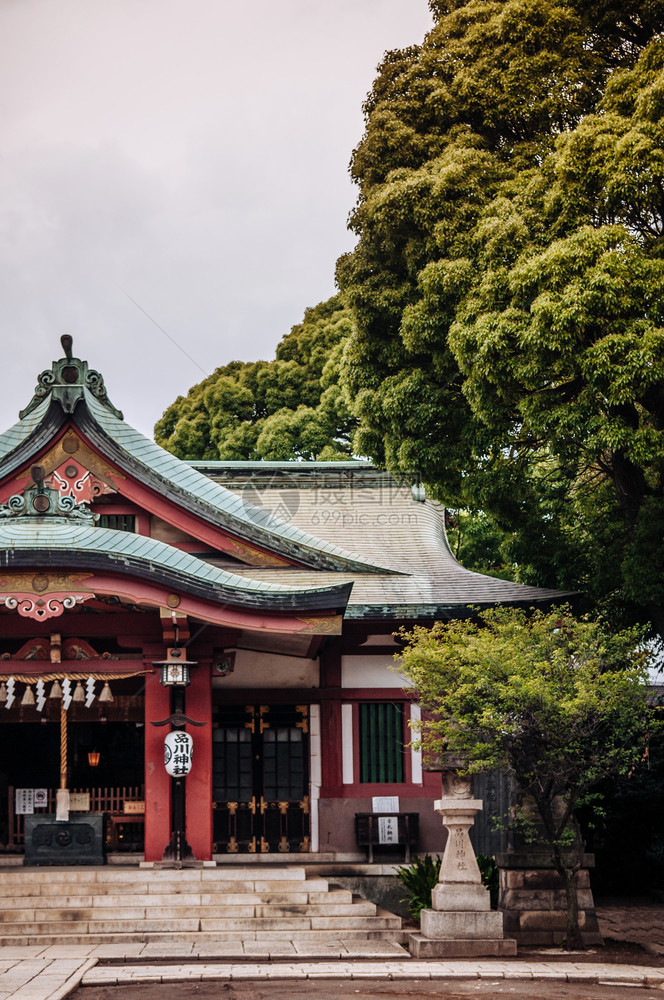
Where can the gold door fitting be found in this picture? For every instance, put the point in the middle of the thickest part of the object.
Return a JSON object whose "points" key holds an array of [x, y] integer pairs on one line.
{"points": [[303, 710]]}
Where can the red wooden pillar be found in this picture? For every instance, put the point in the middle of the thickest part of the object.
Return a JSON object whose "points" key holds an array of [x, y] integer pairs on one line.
{"points": [[330, 722], [331, 762], [199, 779], [157, 782]]}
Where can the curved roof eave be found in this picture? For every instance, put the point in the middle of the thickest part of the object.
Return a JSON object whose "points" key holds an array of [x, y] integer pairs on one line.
{"points": [[176, 480], [210, 499], [29, 435], [448, 611], [50, 543]]}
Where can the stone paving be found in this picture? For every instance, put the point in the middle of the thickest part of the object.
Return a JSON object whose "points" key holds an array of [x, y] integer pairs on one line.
{"points": [[642, 923], [53, 972], [25, 977], [392, 970], [31, 973]]}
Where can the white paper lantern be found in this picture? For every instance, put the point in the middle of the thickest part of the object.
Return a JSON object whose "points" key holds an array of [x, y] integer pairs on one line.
{"points": [[178, 751]]}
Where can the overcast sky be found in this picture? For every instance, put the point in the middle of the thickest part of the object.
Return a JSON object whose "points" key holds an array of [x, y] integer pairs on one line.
{"points": [[191, 155]]}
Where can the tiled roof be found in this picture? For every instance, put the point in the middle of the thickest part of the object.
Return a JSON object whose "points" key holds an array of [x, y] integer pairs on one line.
{"points": [[346, 521], [172, 477], [133, 552], [223, 501], [378, 516], [21, 431]]}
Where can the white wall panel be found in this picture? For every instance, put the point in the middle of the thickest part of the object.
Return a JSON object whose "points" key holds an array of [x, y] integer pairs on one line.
{"points": [[269, 670], [415, 755], [347, 744], [371, 672]]}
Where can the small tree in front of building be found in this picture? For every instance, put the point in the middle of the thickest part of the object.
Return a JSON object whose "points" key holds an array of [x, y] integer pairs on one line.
{"points": [[560, 702]]}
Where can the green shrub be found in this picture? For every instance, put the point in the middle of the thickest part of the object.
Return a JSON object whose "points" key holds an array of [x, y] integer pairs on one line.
{"points": [[489, 872], [418, 879], [421, 875]]}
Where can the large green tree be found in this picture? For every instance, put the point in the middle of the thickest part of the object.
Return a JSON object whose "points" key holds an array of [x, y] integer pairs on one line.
{"points": [[507, 282], [561, 703], [288, 408]]}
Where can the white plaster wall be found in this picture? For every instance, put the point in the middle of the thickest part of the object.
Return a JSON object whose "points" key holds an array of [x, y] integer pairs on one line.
{"points": [[415, 755], [269, 670], [347, 744], [367, 671]]}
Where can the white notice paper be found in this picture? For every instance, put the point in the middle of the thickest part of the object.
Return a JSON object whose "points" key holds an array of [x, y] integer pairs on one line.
{"points": [[24, 801], [388, 830], [385, 804]]}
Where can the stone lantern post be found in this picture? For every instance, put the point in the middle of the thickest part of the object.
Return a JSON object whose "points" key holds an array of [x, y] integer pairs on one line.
{"points": [[460, 922]]}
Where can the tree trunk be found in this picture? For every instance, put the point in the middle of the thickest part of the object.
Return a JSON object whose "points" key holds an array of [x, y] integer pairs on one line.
{"points": [[630, 486], [566, 862], [568, 875]]}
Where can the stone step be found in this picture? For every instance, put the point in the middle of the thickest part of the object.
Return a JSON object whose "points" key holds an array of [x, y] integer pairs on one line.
{"points": [[313, 885], [140, 913], [111, 874], [291, 889], [203, 906], [138, 923], [334, 897], [323, 940], [359, 907]]}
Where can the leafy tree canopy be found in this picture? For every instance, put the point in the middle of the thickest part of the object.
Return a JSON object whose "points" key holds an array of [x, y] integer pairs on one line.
{"points": [[561, 703], [507, 282], [292, 407]]}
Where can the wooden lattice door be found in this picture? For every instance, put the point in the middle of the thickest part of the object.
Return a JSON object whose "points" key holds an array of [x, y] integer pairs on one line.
{"points": [[261, 779]]}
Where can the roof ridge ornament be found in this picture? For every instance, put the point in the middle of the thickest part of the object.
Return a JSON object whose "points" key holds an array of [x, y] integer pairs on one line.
{"points": [[42, 501], [67, 381]]}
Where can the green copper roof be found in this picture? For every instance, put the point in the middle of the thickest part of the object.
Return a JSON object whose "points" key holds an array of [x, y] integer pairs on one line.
{"points": [[59, 534], [20, 432], [71, 389], [190, 480], [138, 554]]}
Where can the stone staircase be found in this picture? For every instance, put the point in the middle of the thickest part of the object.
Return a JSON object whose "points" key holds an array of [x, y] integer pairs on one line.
{"points": [[204, 905]]}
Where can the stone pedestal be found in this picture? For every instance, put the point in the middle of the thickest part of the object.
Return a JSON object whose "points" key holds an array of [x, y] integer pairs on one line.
{"points": [[76, 841], [533, 901], [460, 922]]}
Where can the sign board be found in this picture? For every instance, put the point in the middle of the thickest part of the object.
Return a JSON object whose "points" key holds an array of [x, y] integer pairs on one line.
{"points": [[79, 802], [133, 808], [24, 801], [178, 750], [385, 804], [388, 830], [41, 798]]}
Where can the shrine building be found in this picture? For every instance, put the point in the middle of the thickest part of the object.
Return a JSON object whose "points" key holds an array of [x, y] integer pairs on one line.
{"points": [[281, 585]]}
